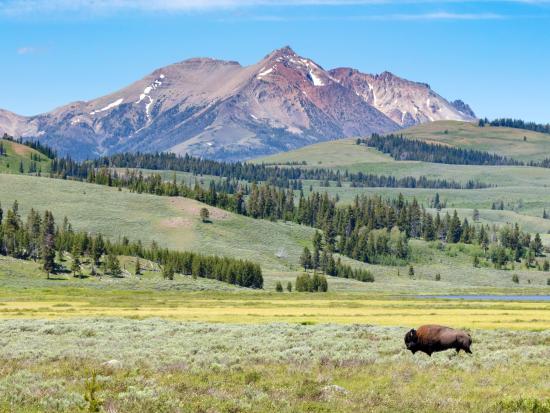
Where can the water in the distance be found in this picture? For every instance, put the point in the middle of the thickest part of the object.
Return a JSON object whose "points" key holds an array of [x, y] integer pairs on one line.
{"points": [[492, 297]]}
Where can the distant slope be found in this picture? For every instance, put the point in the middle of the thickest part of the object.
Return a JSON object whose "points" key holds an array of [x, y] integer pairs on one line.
{"points": [[341, 153], [502, 141], [16, 155], [222, 110]]}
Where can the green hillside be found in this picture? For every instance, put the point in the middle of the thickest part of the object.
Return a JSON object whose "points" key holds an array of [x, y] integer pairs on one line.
{"points": [[17, 155], [523, 190], [520, 144], [337, 153], [172, 222]]}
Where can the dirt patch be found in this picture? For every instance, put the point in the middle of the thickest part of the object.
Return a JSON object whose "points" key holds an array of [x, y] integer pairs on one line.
{"points": [[177, 222], [193, 208], [20, 149]]}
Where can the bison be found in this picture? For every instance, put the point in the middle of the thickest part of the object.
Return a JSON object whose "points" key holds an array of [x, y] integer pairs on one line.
{"points": [[433, 338]]}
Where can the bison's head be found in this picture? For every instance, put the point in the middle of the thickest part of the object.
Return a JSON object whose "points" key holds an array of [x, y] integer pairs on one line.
{"points": [[411, 340]]}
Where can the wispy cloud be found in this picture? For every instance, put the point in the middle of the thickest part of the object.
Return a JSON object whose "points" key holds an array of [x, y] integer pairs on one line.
{"points": [[27, 50], [106, 6], [378, 17], [444, 16]]}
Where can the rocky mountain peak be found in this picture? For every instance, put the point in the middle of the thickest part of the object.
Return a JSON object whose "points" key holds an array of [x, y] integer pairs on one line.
{"points": [[222, 110]]}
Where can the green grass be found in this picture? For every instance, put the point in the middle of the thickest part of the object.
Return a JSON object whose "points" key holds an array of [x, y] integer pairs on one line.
{"points": [[17, 153], [165, 366], [172, 222], [524, 190], [503, 141], [329, 154]]}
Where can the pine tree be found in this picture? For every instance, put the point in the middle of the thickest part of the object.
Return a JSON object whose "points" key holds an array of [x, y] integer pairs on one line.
{"points": [[137, 267], [279, 287], [76, 265], [289, 287], [536, 245], [411, 271], [48, 242], [305, 259], [168, 271], [112, 265]]}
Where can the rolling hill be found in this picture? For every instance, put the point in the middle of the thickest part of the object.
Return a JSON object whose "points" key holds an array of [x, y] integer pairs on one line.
{"points": [[519, 144]]}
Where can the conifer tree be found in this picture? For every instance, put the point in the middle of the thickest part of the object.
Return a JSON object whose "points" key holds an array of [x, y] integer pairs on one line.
{"points": [[48, 243], [305, 259]]}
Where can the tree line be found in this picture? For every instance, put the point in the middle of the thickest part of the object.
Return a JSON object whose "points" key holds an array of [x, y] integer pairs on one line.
{"points": [[39, 238], [235, 173], [401, 148], [404, 149], [371, 229], [516, 124]]}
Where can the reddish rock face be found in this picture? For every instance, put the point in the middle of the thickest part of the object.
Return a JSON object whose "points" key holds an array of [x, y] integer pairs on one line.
{"points": [[222, 110]]}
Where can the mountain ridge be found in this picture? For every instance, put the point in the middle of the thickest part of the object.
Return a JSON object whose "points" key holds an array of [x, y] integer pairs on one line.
{"points": [[223, 110]]}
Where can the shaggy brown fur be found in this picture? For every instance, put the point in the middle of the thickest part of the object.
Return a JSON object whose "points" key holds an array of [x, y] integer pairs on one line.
{"points": [[433, 338]]}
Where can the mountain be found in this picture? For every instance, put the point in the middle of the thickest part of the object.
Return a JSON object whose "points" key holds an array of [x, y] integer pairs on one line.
{"points": [[405, 102], [222, 110]]}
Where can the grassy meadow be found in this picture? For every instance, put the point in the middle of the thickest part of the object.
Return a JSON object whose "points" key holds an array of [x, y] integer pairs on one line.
{"points": [[144, 344], [155, 365]]}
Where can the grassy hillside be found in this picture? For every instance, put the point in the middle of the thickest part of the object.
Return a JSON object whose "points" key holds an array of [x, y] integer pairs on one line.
{"points": [[522, 189], [503, 141], [172, 222], [338, 153], [17, 154]]}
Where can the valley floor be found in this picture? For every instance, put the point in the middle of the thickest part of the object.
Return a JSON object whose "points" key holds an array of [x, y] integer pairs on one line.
{"points": [[155, 365]]}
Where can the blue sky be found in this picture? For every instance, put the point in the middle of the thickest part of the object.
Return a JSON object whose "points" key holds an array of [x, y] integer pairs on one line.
{"points": [[495, 55]]}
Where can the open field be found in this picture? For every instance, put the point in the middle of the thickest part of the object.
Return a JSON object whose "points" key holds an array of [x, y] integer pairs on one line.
{"points": [[199, 345], [340, 153], [157, 365], [391, 300]]}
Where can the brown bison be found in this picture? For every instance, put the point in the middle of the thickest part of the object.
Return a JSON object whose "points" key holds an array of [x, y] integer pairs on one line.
{"points": [[434, 338]]}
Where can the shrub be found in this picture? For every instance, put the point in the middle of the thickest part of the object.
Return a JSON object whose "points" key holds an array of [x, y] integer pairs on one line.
{"points": [[205, 214], [306, 283], [279, 287], [515, 278], [438, 277]]}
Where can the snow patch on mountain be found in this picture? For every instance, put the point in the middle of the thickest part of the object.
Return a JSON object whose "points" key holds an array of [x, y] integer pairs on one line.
{"points": [[265, 72], [109, 106], [316, 79]]}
